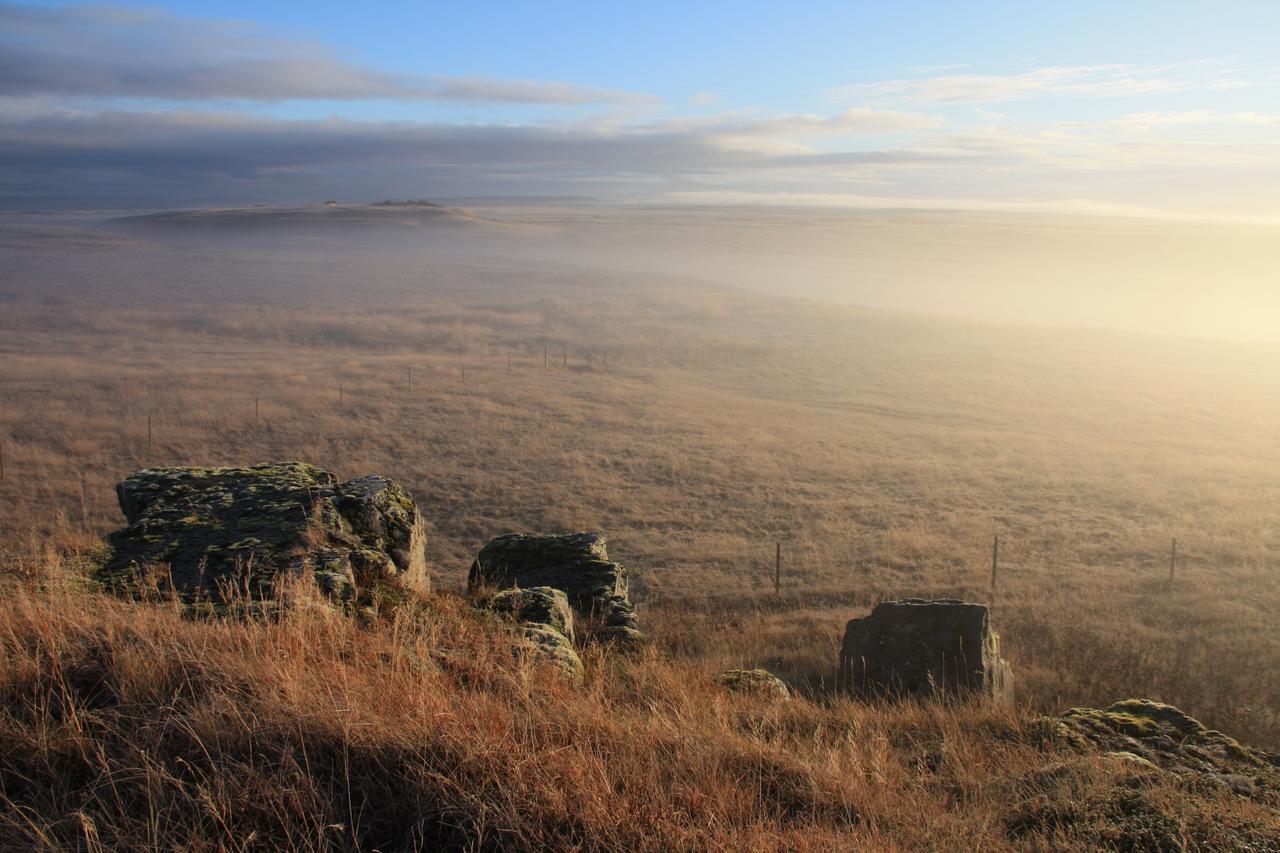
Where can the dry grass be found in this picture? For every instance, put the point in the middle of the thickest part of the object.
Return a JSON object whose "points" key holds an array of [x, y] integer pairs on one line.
{"points": [[126, 726], [884, 451]]}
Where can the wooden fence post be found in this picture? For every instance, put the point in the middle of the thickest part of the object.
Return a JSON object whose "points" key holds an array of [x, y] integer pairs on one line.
{"points": [[148, 432], [995, 561], [777, 568], [1173, 560]]}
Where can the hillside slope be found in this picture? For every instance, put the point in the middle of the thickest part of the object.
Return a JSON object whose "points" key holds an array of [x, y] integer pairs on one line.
{"points": [[127, 726]]}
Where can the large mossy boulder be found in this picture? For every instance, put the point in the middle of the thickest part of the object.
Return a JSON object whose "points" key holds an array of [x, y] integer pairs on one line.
{"points": [[576, 563], [924, 648], [231, 533]]}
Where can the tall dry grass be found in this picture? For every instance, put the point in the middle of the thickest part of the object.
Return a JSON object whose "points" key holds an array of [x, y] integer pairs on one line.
{"points": [[128, 726]]}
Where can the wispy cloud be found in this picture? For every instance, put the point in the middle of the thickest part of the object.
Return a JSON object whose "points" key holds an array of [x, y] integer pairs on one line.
{"points": [[1113, 80], [116, 52], [1185, 118]]}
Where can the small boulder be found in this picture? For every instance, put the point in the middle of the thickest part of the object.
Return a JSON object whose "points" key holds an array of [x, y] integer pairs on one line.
{"points": [[540, 606], [924, 648], [577, 563], [756, 682], [231, 533], [552, 647]]}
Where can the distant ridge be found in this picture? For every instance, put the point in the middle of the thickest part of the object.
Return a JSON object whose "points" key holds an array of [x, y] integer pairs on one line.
{"points": [[324, 216]]}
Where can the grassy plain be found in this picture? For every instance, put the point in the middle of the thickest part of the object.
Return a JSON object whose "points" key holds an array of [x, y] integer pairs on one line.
{"points": [[696, 426]]}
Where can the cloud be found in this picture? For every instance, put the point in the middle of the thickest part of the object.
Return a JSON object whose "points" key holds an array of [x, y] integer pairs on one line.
{"points": [[116, 52], [1114, 80], [1186, 118], [49, 154]]}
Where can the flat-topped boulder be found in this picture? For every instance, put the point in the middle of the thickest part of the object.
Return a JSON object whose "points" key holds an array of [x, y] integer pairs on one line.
{"points": [[924, 648], [226, 532], [576, 563]]}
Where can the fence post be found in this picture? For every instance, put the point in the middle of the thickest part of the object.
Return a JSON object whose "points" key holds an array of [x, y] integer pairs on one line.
{"points": [[148, 432], [508, 365], [340, 395], [409, 372], [777, 568], [1173, 560], [545, 363], [255, 411], [995, 562]]}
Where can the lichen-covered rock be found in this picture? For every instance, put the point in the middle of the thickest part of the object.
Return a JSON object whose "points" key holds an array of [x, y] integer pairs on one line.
{"points": [[230, 533], [924, 648], [1163, 736], [756, 682], [538, 606], [577, 563], [553, 647]]}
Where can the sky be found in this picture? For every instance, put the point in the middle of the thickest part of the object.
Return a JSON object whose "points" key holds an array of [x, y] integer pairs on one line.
{"points": [[1153, 109]]}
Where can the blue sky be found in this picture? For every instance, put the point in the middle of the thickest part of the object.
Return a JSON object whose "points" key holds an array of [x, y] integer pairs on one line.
{"points": [[1160, 108]]}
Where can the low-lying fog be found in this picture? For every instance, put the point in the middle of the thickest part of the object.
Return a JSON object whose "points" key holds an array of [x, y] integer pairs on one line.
{"points": [[1214, 280]]}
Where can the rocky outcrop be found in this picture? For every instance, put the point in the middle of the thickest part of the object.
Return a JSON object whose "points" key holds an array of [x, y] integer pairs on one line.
{"points": [[226, 533], [754, 682], [576, 563], [924, 648], [1161, 736]]}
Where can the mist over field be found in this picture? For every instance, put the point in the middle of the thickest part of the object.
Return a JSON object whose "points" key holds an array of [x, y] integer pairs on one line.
{"points": [[1197, 279]]}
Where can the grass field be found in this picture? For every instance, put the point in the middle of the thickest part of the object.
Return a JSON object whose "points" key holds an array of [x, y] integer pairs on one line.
{"points": [[696, 426]]}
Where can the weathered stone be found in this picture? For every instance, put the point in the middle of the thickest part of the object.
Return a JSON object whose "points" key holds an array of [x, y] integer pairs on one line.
{"points": [[1164, 736], [757, 682], [577, 563], [553, 647], [538, 606], [924, 648], [228, 533]]}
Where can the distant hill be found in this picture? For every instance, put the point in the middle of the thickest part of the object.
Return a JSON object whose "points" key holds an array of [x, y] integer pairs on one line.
{"points": [[315, 218]]}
